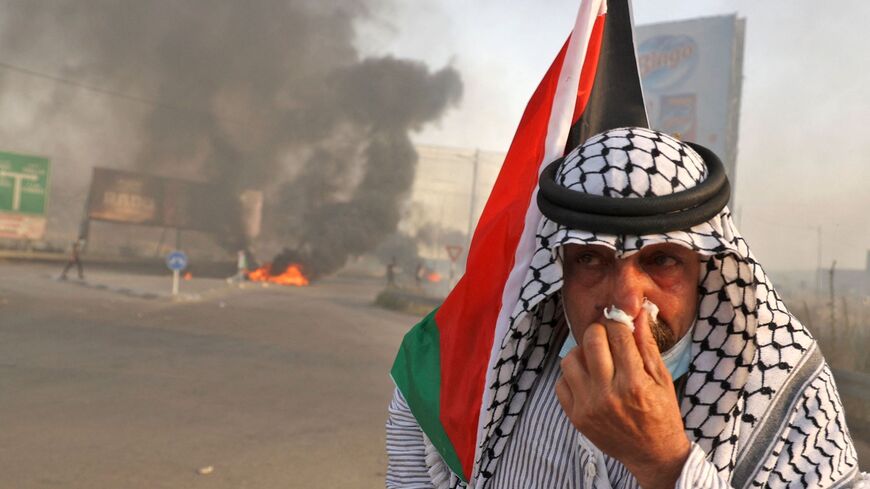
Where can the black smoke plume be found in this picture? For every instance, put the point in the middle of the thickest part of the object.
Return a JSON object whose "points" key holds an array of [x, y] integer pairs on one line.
{"points": [[270, 95]]}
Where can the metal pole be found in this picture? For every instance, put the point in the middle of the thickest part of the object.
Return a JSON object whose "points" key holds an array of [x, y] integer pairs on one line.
{"points": [[438, 241], [160, 244], [818, 261], [175, 276], [846, 324], [473, 203], [833, 298], [85, 226]]}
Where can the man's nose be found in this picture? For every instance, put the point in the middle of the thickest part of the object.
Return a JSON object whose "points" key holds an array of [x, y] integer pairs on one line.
{"points": [[629, 287]]}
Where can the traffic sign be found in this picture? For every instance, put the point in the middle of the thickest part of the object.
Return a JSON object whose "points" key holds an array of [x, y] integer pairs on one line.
{"points": [[176, 261], [454, 251], [23, 184]]}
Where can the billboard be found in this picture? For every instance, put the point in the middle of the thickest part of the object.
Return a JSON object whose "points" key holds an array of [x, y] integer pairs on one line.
{"points": [[692, 72], [24, 184], [121, 196], [136, 198], [21, 226]]}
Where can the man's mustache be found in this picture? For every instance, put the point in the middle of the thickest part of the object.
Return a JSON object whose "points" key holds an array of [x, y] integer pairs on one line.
{"points": [[662, 333]]}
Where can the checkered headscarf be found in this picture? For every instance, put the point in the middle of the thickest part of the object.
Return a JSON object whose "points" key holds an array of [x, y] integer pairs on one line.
{"points": [[758, 397]]}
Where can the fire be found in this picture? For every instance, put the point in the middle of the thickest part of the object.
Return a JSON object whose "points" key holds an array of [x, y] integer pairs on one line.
{"points": [[434, 277], [292, 275]]}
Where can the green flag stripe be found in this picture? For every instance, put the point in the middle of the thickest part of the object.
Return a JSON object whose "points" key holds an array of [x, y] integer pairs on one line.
{"points": [[417, 374]]}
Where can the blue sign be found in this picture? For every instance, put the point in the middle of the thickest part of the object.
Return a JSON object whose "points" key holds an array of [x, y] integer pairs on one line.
{"points": [[176, 261]]}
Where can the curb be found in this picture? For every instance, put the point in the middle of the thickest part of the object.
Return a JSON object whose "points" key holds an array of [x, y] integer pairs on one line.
{"points": [[140, 294]]}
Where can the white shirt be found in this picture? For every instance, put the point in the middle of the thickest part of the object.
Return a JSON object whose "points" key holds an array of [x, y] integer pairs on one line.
{"points": [[545, 451]]}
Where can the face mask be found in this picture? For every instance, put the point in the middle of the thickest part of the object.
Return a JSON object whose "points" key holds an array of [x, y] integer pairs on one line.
{"points": [[570, 342], [676, 358]]}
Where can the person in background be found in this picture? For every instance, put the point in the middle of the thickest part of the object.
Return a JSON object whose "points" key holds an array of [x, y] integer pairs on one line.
{"points": [[418, 275], [75, 259], [391, 272], [241, 268]]}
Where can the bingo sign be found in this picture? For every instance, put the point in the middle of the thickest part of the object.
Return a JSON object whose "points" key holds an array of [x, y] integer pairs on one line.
{"points": [[23, 195], [691, 72], [666, 61]]}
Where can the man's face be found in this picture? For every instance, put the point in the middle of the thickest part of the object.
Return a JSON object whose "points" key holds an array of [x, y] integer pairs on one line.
{"points": [[666, 274]]}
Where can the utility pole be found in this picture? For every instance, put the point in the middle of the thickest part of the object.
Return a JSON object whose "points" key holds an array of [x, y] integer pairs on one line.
{"points": [[818, 261], [847, 326], [833, 304], [473, 203], [440, 243], [160, 244]]}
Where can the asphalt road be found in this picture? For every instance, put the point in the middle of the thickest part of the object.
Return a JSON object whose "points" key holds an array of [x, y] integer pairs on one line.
{"points": [[277, 387], [272, 387]]}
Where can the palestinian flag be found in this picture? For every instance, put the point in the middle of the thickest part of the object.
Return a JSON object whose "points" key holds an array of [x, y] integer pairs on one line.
{"points": [[444, 362]]}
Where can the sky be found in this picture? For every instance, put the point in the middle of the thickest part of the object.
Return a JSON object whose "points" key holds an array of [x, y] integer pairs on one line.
{"points": [[803, 143]]}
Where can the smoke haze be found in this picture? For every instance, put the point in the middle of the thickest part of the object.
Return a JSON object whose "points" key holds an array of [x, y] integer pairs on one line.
{"points": [[267, 95]]}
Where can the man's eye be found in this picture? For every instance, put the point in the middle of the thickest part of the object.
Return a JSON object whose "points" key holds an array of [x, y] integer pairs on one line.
{"points": [[663, 260], [589, 259]]}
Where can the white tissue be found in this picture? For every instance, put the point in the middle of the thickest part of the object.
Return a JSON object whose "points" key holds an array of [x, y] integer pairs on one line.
{"points": [[616, 314], [650, 308]]}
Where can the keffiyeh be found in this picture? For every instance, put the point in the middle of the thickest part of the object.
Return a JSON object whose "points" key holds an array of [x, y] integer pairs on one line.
{"points": [[758, 397]]}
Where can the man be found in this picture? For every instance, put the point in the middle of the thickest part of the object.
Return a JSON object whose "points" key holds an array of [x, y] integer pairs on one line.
{"points": [[689, 369], [419, 273], [75, 260], [241, 274], [391, 272]]}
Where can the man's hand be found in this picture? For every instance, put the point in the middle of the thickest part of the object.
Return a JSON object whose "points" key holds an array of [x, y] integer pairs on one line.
{"points": [[617, 391]]}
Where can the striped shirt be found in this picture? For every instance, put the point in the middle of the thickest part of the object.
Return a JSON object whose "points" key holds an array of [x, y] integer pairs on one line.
{"points": [[545, 451]]}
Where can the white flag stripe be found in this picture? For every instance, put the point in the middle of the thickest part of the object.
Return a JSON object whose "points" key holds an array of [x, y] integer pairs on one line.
{"points": [[566, 93], [557, 136]]}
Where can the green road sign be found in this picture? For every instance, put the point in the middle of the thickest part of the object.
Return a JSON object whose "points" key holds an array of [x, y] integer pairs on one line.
{"points": [[23, 183]]}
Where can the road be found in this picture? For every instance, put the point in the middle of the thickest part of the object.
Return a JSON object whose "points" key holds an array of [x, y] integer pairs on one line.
{"points": [[277, 387], [272, 387]]}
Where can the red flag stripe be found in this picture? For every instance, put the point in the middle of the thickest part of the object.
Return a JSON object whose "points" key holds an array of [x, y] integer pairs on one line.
{"points": [[473, 307], [501, 217]]}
